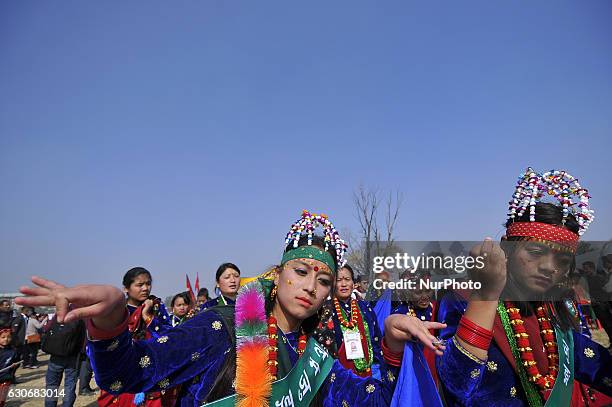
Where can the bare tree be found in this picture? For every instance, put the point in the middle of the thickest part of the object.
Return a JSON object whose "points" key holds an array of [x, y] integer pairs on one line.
{"points": [[367, 205], [394, 202]]}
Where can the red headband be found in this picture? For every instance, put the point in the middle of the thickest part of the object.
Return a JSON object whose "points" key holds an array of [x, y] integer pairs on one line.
{"points": [[544, 232], [5, 329]]}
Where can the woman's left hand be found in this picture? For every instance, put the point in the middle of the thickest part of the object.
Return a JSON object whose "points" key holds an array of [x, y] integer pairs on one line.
{"points": [[401, 328]]}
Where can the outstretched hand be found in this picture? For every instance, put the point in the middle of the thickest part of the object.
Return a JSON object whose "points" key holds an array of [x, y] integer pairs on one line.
{"points": [[105, 304], [401, 328]]}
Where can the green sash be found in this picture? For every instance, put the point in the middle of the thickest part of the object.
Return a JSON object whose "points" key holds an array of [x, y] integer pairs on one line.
{"points": [[561, 394], [562, 390], [299, 387]]}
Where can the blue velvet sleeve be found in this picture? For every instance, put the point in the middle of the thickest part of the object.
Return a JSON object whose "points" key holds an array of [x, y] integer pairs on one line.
{"points": [[209, 304], [342, 387], [160, 322], [402, 308], [378, 364], [193, 351], [466, 379], [459, 370], [592, 364]]}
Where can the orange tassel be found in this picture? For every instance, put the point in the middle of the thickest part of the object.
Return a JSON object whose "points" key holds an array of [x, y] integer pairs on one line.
{"points": [[253, 379]]}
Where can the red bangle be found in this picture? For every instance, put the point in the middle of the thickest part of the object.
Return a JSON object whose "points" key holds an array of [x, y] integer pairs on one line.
{"points": [[475, 327], [96, 334], [392, 358], [474, 334], [474, 340]]}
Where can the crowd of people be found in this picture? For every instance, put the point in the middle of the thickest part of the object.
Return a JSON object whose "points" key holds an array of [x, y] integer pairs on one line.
{"points": [[309, 331], [24, 333]]}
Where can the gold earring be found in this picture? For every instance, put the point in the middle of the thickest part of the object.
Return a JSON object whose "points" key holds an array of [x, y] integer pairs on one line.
{"points": [[273, 293], [314, 292]]}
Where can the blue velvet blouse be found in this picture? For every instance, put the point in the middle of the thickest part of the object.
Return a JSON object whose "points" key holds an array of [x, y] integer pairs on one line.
{"points": [[469, 381], [191, 355]]}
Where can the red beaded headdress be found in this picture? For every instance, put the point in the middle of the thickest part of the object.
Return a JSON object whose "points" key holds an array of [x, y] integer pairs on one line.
{"points": [[532, 188]]}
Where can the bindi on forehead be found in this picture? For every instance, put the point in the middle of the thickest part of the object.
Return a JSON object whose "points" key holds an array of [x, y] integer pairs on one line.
{"points": [[313, 265]]}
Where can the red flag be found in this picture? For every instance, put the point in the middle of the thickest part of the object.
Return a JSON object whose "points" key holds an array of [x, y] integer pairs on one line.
{"points": [[190, 290], [197, 284]]}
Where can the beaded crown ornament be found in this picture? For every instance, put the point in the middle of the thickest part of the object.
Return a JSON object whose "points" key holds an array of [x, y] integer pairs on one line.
{"points": [[560, 185], [307, 224]]}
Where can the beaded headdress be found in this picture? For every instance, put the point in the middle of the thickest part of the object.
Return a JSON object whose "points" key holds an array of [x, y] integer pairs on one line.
{"points": [[533, 187], [307, 224]]}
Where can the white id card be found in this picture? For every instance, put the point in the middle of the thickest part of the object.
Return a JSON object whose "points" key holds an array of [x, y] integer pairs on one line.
{"points": [[352, 345]]}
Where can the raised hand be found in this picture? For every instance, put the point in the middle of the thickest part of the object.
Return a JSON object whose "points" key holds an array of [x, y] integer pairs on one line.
{"points": [[147, 310], [401, 328], [105, 304], [493, 274]]}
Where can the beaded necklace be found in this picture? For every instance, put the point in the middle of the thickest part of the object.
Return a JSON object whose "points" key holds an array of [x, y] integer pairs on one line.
{"points": [[354, 314], [273, 349], [543, 382], [357, 323]]}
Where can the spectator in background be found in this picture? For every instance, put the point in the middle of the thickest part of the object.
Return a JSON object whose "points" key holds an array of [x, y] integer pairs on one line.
{"points": [[203, 296], [85, 374], [148, 319], [598, 278], [18, 328], [6, 313], [35, 323], [8, 362], [363, 286], [228, 283], [181, 304], [64, 342], [356, 289]]}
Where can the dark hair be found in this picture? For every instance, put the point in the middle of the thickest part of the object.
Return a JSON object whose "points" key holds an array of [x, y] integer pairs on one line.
{"points": [[553, 215], [224, 267], [350, 269], [132, 273], [202, 292], [184, 295], [549, 213], [3, 300]]}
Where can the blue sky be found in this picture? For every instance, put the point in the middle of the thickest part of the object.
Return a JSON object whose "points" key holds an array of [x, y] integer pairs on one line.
{"points": [[179, 136]]}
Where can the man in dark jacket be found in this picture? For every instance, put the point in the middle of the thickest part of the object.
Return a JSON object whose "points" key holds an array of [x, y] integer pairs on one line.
{"points": [[17, 322], [64, 342]]}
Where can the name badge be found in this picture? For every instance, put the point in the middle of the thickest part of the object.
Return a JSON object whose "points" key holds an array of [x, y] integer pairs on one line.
{"points": [[352, 345]]}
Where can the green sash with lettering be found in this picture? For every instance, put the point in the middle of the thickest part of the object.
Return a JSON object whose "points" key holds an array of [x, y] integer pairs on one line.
{"points": [[299, 387], [562, 390]]}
